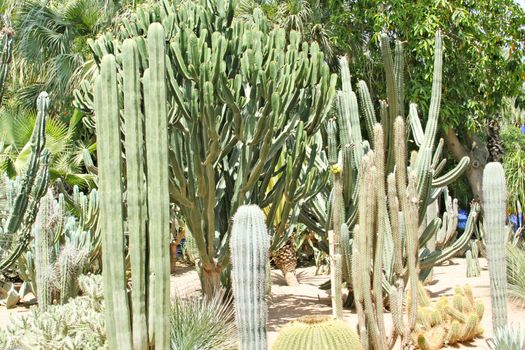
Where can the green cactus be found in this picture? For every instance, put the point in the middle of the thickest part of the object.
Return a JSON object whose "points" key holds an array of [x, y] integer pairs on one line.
{"points": [[317, 332], [32, 187], [473, 267], [249, 246], [494, 197], [6, 38], [135, 326], [227, 82]]}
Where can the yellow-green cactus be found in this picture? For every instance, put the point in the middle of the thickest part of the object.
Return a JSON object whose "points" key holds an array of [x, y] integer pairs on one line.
{"points": [[319, 333]]}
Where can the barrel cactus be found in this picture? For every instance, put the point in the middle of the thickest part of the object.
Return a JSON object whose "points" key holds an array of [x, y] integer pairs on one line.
{"points": [[319, 333]]}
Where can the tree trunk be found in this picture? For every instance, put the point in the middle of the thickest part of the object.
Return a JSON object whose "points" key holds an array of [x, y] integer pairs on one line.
{"points": [[476, 149], [211, 279]]}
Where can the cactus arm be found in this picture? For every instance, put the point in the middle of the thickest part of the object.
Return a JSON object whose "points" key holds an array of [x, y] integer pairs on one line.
{"points": [[435, 99], [453, 174], [112, 219], [415, 125], [399, 74], [156, 120], [368, 108], [136, 191]]}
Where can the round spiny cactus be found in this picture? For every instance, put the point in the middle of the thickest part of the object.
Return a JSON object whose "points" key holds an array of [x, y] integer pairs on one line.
{"points": [[317, 332]]}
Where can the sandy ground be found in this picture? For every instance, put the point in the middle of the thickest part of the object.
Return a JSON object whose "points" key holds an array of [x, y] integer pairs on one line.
{"points": [[287, 303]]}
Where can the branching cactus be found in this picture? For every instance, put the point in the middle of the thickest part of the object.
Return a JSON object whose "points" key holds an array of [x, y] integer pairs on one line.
{"points": [[249, 246], [494, 197]]}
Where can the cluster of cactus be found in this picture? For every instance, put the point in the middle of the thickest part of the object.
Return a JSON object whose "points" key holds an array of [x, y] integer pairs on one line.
{"points": [[244, 104], [142, 321], [317, 332], [6, 38], [447, 321], [436, 235], [389, 240], [79, 324], [56, 260], [494, 205], [249, 246], [23, 203]]}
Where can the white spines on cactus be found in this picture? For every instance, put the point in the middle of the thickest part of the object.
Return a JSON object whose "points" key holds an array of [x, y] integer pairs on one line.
{"points": [[249, 246], [494, 209]]}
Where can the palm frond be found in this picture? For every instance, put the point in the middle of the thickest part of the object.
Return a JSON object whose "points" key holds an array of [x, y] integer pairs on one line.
{"points": [[516, 272]]}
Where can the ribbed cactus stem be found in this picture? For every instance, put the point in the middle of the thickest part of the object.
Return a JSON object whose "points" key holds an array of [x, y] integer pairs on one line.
{"points": [[111, 212], [249, 246], [381, 229], [70, 263], [43, 251], [334, 238], [136, 191], [494, 198], [156, 126]]}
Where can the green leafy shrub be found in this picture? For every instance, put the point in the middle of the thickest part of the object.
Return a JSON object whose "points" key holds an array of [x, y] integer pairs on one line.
{"points": [[514, 164]]}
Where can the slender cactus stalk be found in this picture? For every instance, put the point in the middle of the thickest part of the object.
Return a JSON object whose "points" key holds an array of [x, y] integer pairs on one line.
{"points": [[494, 197]]}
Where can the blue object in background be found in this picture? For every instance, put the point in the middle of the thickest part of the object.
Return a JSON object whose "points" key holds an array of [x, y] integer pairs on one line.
{"points": [[462, 219], [513, 220], [520, 219], [522, 128]]}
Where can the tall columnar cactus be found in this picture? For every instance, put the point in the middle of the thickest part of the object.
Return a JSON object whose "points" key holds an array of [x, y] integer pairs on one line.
{"points": [[427, 165], [249, 250], [32, 188], [394, 194], [145, 323], [494, 214], [238, 96]]}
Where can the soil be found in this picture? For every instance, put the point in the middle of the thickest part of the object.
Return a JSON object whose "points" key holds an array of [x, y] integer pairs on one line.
{"points": [[288, 303]]}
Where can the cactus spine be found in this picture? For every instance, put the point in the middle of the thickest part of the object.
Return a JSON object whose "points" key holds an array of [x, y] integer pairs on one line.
{"points": [[317, 332], [151, 213], [494, 197], [249, 246]]}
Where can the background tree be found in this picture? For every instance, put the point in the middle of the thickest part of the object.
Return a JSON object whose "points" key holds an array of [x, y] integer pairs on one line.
{"points": [[483, 48]]}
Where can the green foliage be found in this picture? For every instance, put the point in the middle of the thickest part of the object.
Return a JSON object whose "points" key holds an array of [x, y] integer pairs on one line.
{"points": [[516, 271], [483, 43], [227, 83], [514, 164], [317, 332], [202, 323], [508, 338], [79, 324]]}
